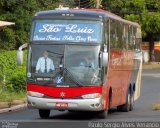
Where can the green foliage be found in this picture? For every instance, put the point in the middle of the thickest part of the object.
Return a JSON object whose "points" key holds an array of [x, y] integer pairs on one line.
{"points": [[13, 74], [114, 6], [133, 17], [151, 25], [20, 12], [7, 37], [1, 73], [144, 12], [10, 96], [18, 80], [7, 61]]}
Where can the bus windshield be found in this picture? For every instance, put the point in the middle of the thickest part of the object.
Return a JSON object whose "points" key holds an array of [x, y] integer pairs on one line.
{"points": [[65, 65], [71, 31]]}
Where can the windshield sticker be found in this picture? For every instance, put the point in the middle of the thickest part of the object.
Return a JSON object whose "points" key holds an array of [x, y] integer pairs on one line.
{"points": [[77, 32], [59, 79]]}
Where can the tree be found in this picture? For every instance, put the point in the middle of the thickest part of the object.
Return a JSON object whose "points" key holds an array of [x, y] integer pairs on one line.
{"points": [[151, 30], [20, 12], [85, 3], [144, 12]]}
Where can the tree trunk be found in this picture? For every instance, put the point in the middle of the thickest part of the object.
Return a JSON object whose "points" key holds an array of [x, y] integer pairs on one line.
{"points": [[151, 50]]}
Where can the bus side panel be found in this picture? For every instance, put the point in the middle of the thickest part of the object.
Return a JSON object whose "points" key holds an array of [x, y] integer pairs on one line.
{"points": [[136, 75], [119, 75], [105, 96], [128, 64], [114, 78]]}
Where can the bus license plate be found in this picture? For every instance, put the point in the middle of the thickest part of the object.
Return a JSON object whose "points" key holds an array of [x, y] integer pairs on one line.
{"points": [[61, 105]]}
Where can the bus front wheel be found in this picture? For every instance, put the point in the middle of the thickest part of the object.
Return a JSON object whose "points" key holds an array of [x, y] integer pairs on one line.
{"points": [[103, 114], [44, 113]]}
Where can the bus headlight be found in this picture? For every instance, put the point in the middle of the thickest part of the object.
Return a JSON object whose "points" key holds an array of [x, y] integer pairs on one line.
{"points": [[92, 96], [35, 94]]}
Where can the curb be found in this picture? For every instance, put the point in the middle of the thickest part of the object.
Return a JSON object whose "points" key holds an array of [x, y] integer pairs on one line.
{"points": [[150, 67], [14, 108]]}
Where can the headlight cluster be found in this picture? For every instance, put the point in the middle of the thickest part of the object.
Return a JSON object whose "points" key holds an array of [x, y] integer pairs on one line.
{"points": [[87, 96], [92, 96], [35, 94]]}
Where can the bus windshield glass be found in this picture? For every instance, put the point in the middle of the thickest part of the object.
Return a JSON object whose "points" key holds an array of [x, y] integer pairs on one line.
{"points": [[64, 65], [68, 31]]}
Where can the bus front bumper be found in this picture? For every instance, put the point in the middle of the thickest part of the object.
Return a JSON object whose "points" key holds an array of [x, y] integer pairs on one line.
{"points": [[65, 104]]}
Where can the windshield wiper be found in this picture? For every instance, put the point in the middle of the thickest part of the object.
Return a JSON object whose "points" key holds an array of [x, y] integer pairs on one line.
{"points": [[71, 77]]}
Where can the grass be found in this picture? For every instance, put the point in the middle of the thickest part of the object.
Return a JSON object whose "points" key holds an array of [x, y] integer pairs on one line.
{"points": [[7, 96], [156, 107]]}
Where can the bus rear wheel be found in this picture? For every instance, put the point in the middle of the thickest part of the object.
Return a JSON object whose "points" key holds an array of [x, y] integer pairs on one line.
{"points": [[128, 106], [132, 102], [44, 113]]}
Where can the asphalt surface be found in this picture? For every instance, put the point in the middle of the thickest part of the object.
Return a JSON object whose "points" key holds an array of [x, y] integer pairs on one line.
{"points": [[143, 111]]}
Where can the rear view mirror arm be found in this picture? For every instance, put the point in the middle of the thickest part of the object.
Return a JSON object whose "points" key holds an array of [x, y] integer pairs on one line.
{"points": [[23, 46]]}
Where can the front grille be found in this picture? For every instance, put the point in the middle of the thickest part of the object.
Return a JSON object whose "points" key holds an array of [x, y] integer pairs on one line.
{"points": [[49, 97]]}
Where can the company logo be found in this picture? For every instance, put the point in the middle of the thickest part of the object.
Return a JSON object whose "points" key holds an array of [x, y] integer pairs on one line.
{"points": [[59, 79], [62, 94]]}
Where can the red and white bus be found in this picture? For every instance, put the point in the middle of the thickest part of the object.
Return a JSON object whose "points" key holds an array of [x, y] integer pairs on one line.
{"points": [[72, 37]]}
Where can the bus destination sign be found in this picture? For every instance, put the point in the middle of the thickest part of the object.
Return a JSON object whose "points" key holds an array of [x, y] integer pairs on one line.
{"points": [[67, 32]]}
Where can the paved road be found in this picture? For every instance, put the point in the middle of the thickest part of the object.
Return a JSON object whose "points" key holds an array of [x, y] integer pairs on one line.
{"points": [[142, 112]]}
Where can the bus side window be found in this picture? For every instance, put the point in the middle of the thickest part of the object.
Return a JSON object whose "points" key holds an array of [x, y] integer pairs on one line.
{"points": [[125, 37], [119, 35], [113, 34], [107, 32], [134, 38], [131, 38], [138, 39]]}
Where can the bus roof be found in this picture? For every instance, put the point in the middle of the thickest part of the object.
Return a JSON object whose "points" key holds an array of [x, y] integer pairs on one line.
{"points": [[86, 13], [116, 17]]}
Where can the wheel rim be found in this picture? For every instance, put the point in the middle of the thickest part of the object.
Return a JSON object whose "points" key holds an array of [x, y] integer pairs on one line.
{"points": [[132, 102], [129, 101]]}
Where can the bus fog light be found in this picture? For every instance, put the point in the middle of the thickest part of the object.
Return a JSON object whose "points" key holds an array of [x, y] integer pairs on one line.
{"points": [[92, 105], [33, 103], [97, 105], [28, 102], [35, 94]]}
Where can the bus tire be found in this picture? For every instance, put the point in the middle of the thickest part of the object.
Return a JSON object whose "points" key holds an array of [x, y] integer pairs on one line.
{"points": [[128, 106], [103, 114], [119, 108], [132, 101], [44, 113]]}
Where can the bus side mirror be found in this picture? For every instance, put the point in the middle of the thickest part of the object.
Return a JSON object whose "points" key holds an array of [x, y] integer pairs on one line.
{"points": [[20, 54], [19, 57], [104, 59]]}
